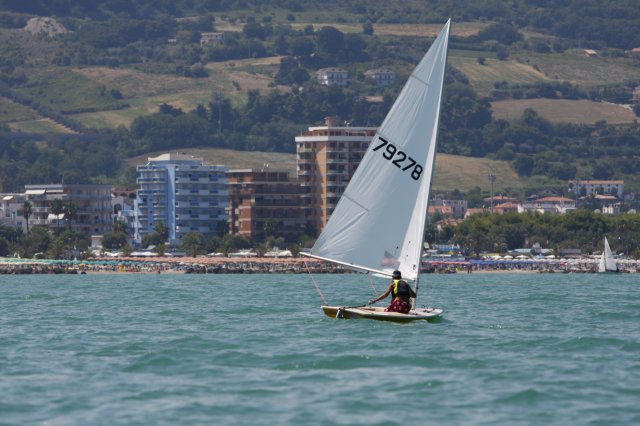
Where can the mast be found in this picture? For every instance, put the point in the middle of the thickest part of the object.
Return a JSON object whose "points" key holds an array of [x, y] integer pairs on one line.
{"points": [[426, 210]]}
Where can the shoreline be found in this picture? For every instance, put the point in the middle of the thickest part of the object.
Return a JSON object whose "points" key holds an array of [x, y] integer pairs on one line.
{"points": [[256, 265]]}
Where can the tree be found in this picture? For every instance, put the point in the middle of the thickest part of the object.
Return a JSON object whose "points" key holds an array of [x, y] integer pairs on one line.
{"points": [[4, 246], [330, 40], [159, 235], [160, 249], [114, 240], [193, 243], [57, 208], [222, 228], [270, 227], [37, 241], [127, 250], [71, 213], [523, 165], [26, 212], [504, 33]]}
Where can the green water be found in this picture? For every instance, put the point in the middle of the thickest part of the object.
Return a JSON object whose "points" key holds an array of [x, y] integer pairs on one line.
{"points": [[512, 349]]}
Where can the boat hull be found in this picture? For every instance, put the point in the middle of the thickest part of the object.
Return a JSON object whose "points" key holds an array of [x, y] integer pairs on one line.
{"points": [[379, 314]]}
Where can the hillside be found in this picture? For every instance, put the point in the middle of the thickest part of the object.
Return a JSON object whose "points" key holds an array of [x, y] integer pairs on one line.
{"points": [[143, 92], [565, 110], [140, 78], [452, 171]]}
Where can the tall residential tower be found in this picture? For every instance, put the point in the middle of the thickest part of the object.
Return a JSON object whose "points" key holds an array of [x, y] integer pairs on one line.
{"points": [[327, 157], [182, 192]]}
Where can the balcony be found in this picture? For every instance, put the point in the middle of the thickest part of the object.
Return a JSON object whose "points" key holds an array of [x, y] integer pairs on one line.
{"points": [[336, 160]]}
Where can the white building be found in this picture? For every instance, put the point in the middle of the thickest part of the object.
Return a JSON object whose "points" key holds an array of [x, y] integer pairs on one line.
{"points": [[332, 76], [592, 187], [554, 205], [87, 207], [11, 211], [183, 193], [381, 76], [208, 38]]}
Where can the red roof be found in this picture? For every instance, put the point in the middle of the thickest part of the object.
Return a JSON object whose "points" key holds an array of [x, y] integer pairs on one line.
{"points": [[554, 200]]}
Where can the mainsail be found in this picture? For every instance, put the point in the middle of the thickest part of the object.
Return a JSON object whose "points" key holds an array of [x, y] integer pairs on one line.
{"points": [[378, 224], [607, 261]]}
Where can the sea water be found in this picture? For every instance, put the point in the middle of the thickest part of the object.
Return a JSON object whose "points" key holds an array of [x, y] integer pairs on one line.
{"points": [[511, 349]]}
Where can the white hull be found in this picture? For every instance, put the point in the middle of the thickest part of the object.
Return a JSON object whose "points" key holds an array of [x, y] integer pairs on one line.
{"points": [[379, 314]]}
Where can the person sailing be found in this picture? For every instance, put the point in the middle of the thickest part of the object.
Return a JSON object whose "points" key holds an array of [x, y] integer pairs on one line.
{"points": [[401, 293]]}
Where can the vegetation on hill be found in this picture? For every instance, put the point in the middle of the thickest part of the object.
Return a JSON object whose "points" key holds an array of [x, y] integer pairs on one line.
{"points": [[521, 51]]}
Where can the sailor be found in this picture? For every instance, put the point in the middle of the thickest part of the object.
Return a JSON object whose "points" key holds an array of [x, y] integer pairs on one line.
{"points": [[401, 293]]}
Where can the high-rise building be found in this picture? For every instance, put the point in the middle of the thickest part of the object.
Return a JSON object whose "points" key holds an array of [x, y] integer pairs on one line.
{"points": [[260, 199], [327, 157], [183, 193]]}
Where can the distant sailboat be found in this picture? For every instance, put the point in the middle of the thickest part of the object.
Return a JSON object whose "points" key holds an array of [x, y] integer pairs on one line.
{"points": [[378, 224], [607, 261]]}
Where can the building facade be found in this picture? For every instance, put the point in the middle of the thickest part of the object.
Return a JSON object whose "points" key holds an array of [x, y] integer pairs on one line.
{"points": [[11, 211], [183, 193], [635, 99], [593, 187], [458, 208], [209, 38], [381, 76], [554, 205], [264, 197], [327, 157], [87, 208], [332, 76]]}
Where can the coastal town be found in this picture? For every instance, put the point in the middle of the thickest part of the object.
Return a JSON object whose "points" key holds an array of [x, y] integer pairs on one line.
{"points": [[187, 197], [298, 212]]}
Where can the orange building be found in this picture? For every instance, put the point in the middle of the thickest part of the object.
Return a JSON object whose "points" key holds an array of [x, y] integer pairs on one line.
{"points": [[255, 196], [327, 157]]}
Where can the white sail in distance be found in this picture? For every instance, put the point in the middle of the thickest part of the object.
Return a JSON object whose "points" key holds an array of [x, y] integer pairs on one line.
{"points": [[607, 261], [378, 224]]}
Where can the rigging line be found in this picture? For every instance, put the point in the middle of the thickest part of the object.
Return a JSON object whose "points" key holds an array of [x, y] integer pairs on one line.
{"points": [[375, 292], [345, 195], [315, 284]]}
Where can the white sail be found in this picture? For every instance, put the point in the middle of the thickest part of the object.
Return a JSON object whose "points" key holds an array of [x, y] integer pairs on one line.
{"points": [[378, 224], [607, 261]]}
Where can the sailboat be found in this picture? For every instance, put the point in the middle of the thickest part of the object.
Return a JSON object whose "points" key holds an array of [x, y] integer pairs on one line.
{"points": [[607, 262], [378, 224]]}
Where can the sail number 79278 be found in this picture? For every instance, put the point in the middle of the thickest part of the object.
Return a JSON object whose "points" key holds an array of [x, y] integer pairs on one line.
{"points": [[390, 151]]}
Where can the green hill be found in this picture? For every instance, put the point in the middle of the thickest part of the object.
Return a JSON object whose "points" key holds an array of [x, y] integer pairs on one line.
{"points": [[136, 78], [452, 171]]}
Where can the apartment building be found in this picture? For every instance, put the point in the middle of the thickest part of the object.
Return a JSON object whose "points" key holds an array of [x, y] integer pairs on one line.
{"points": [[86, 208], [182, 192], [211, 37], [262, 197], [327, 157], [381, 76], [554, 205], [593, 187], [332, 76], [457, 208], [11, 210]]}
